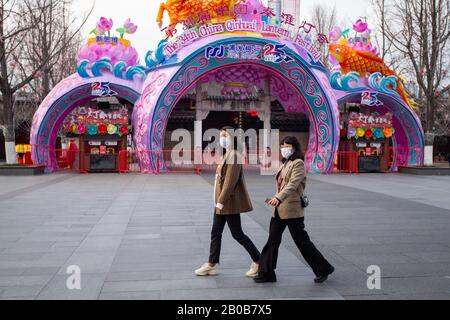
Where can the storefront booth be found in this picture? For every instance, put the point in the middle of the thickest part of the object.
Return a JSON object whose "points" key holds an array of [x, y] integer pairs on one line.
{"points": [[368, 138], [102, 135]]}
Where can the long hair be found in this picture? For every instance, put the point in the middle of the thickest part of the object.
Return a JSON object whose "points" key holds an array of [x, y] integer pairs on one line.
{"points": [[298, 154], [234, 139]]}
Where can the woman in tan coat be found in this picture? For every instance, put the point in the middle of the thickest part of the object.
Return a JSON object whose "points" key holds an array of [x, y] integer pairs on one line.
{"points": [[289, 212], [231, 200]]}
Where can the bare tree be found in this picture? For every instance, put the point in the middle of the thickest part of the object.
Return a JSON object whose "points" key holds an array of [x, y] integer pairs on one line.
{"points": [[33, 35], [324, 18], [420, 31], [442, 115], [55, 24]]}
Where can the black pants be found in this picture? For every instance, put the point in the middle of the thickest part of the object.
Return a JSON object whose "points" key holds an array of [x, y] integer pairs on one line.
{"points": [[309, 252], [234, 222]]}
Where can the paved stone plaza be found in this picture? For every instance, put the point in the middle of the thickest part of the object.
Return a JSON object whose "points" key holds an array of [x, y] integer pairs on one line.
{"points": [[141, 237]]}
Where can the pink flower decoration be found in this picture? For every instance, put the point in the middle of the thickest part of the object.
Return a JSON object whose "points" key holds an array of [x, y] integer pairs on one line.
{"points": [[360, 26], [82, 129], [105, 25], [116, 53], [335, 33], [130, 27]]}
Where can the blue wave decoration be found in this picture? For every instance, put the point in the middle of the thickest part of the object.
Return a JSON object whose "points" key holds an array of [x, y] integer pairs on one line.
{"points": [[344, 82], [102, 64], [152, 59], [119, 69], [149, 61], [386, 85], [132, 71], [159, 54], [81, 69]]}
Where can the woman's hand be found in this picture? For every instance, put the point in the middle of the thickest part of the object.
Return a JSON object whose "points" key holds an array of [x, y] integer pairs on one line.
{"points": [[274, 202]]}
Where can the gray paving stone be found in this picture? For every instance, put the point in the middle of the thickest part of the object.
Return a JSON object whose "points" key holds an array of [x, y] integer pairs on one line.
{"points": [[152, 295], [159, 285], [133, 241], [221, 294], [21, 292], [91, 285]]}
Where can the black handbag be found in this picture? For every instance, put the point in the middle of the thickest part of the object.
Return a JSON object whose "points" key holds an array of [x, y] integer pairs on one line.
{"points": [[304, 201]]}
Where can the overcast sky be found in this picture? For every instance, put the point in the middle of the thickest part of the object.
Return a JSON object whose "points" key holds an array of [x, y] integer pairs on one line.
{"points": [[143, 13]]}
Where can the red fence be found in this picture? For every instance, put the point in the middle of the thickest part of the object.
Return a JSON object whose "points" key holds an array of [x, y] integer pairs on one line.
{"points": [[185, 161], [347, 162]]}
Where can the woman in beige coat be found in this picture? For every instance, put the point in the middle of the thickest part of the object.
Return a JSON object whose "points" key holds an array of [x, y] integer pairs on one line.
{"points": [[231, 200], [289, 212]]}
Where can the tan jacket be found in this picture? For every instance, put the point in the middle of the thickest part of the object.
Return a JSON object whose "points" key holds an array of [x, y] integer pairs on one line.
{"points": [[292, 189], [230, 187]]}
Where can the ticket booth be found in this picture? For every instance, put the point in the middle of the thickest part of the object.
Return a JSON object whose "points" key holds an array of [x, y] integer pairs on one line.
{"points": [[367, 135], [102, 135]]}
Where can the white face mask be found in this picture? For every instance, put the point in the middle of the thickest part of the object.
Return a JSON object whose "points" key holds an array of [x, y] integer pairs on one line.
{"points": [[225, 142], [287, 152]]}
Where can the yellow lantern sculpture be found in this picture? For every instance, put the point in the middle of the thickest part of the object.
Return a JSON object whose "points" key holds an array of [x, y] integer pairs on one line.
{"points": [[182, 10]]}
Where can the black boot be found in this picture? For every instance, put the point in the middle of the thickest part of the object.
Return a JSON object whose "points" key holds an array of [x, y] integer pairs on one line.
{"points": [[266, 278], [322, 279]]}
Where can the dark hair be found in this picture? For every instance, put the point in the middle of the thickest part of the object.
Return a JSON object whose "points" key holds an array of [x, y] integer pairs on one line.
{"points": [[293, 141], [235, 139]]}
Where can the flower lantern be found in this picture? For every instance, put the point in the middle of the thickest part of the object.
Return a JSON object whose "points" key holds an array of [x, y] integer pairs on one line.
{"points": [[360, 132], [388, 132], [351, 133], [102, 129], [378, 133], [123, 130], [112, 129], [93, 130], [82, 129], [360, 26]]}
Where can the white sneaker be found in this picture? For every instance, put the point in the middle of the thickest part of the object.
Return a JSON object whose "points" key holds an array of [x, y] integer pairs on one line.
{"points": [[206, 270], [253, 272]]}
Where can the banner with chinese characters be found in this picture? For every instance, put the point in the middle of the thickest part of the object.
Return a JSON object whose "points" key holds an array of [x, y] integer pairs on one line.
{"points": [[373, 120], [370, 126], [201, 19], [270, 53], [98, 122], [84, 115]]}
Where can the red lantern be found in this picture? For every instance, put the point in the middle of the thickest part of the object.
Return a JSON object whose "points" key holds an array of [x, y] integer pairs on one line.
{"points": [[124, 130], [102, 129], [369, 134]]}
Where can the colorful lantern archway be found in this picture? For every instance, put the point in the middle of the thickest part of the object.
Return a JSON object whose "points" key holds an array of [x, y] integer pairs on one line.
{"points": [[62, 100], [409, 140], [165, 86], [300, 82]]}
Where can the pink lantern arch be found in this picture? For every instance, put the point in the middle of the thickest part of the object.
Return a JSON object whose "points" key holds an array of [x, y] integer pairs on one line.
{"points": [[308, 82], [62, 100]]}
